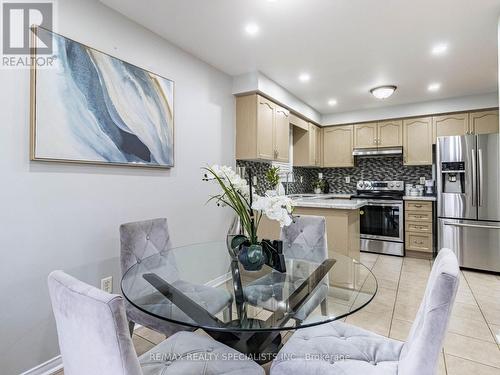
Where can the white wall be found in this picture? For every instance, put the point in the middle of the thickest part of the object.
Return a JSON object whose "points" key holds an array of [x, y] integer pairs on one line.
{"points": [[57, 216], [464, 103]]}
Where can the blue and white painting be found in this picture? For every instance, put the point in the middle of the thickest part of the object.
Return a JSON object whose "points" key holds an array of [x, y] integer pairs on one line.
{"points": [[94, 108]]}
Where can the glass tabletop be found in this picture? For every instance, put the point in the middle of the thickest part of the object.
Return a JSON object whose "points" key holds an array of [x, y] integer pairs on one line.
{"points": [[201, 286]]}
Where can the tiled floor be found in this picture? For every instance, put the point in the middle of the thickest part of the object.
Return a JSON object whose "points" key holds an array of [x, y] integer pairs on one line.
{"points": [[472, 345]]}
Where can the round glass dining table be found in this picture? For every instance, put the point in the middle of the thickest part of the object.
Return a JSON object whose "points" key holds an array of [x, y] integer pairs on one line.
{"points": [[202, 286]]}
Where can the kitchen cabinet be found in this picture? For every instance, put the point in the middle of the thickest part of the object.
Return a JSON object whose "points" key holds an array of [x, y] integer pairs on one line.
{"points": [[484, 122], [262, 129], [338, 142], [419, 229], [452, 124], [307, 146], [380, 134], [365, 135], [390, 133], [417, 141]]}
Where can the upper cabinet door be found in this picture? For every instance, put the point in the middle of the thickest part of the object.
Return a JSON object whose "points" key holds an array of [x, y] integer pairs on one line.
{"points": [[485, 122], [281, 134], [365, 135], [313, 138], [265, 128], [319, 147], [417, 141], [448, 125], [390, 133], [337, 146]]}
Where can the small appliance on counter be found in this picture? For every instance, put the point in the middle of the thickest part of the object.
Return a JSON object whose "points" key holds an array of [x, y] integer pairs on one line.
{"points": [[429, 188], [414, 190]]}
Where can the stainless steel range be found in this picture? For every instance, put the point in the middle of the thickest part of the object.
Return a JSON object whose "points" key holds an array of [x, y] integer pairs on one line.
{"points": [[382, 219]]}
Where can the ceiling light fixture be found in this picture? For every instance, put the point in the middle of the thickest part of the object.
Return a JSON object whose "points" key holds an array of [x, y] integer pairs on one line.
{"points": [[383, 92], [439, 49], [304, 77], [332, 102], [434, 86], [252, 29]]}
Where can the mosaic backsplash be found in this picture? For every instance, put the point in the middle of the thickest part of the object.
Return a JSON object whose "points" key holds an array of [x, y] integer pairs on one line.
{"points": [[366, 168]]}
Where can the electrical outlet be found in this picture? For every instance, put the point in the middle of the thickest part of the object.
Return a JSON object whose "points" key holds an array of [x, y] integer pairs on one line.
{"points": [[348, 180], [107, 284], [301, 179], [254, 180], [422, 180]]}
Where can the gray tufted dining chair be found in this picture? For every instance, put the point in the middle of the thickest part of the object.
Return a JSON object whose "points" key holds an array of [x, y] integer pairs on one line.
{"points": [[339, 348], [94, 339], [143, 239], [304, 239]]}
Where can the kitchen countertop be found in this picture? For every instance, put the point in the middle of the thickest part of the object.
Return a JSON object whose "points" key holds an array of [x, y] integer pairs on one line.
{"points": [[422, 198], [333, 202]]}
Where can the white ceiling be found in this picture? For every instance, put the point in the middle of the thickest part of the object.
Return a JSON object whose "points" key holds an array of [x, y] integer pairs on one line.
{"points": [[347, 46]]}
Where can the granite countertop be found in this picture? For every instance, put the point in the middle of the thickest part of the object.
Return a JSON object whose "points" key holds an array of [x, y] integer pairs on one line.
{"points": [[422, 198], [330, 202]]}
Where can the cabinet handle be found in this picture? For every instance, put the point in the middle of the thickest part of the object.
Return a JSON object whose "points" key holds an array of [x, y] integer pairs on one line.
{"points": [[418, 205]]}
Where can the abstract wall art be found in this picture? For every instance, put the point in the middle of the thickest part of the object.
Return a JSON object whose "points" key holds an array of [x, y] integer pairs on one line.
{"points": [[90, 107]]}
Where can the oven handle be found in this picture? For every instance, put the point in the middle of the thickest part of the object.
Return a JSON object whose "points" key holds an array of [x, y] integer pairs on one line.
{"points": [[385, 204]]}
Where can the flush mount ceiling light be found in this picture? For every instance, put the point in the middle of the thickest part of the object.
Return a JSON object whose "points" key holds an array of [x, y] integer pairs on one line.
{"points": [[434, 87], [439, 49], [383, 92], [252, 29], [332, 102], [304, 77]]}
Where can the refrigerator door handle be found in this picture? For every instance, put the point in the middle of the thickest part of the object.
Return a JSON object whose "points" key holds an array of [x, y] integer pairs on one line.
{"points": [[472, 226], [480, 179], [474, 177]]}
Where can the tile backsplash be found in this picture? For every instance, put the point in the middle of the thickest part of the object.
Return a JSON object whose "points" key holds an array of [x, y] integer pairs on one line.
{"points": [[366, 168]]}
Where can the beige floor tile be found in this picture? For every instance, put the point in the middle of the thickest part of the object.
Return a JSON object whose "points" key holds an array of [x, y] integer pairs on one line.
{"points": [[441, 367], [387, 284], [376, 323], [471, 328], [141, 345], [461, 366], [405, 311], [465, 296], [490, 309], [400, 329], [495, 329], [467, 311], [472, 349], [150, 335]]}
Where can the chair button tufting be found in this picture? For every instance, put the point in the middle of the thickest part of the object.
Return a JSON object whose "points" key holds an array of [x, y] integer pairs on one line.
{"points": [[147, 238], [332, 362], [210, 350], [168, 363], [373, 363]]}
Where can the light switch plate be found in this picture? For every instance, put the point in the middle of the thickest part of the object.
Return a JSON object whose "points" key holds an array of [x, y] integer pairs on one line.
{"points": [[107, 284], [422, 180], [301, 179], [348, 180]]}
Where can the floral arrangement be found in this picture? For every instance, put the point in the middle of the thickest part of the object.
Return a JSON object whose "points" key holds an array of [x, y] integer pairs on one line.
{"points": [[319, 184], [241, 197]]}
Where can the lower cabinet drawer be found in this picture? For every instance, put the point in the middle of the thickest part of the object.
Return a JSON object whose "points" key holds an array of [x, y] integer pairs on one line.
{"points": [[419, 226], [419, 241], [418, 216]]}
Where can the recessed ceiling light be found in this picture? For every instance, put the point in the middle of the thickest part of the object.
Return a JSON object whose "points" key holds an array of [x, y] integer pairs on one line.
{"points": [[383, 92], [439, 49], [332, 102], [434, 86], [304, 77], [252, 29]]}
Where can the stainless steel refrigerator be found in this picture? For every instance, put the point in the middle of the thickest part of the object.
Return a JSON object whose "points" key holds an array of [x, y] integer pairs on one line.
{"points": [[468, 197]]}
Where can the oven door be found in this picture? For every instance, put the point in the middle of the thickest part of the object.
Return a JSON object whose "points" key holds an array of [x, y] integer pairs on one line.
{"points": [[382, 220]]}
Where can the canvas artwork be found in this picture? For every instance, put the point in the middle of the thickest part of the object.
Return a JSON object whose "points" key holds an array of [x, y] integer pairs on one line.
{"points": [[91, 107]]}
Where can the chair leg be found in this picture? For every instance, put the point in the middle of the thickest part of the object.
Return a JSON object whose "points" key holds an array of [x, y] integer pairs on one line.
{"points": [[324, 307], [228, 313], [131, 326]]}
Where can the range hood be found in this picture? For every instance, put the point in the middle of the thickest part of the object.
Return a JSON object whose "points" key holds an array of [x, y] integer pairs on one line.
{"points": [[378, 151]]}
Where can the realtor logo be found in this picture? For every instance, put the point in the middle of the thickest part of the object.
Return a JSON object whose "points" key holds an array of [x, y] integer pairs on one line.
{"points": [[18, 19]]}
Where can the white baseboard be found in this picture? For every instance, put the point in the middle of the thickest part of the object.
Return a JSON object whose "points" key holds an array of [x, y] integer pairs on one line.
{"points": [[47, 368], [55, 364]]}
